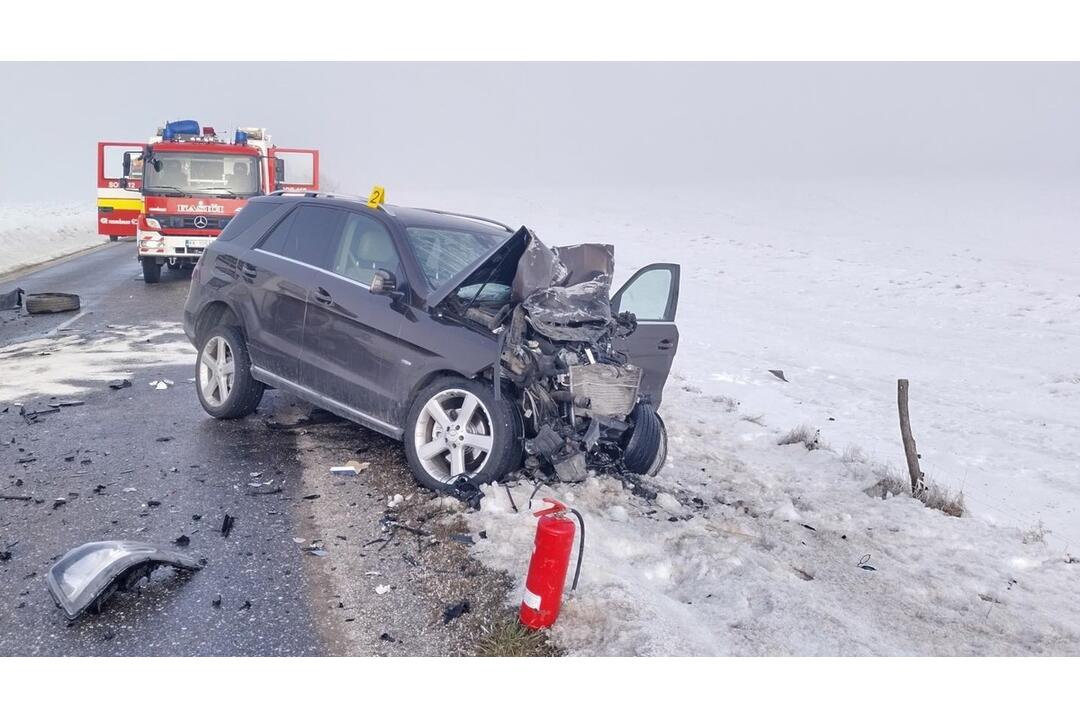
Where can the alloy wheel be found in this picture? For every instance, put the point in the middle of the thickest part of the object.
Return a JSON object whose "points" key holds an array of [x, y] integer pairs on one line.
{"points": [[217, 369], [453, 435]]}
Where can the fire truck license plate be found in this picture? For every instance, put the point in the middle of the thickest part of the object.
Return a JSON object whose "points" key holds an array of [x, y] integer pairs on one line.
{"points": [[195, 244]]}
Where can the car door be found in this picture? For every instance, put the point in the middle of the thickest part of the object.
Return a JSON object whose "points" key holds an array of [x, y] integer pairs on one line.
{"points": [[652, 294], [280, 272], [350, 334]]}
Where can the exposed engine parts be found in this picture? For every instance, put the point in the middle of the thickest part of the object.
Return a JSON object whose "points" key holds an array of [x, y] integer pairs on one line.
{"points": [[579, 397]]}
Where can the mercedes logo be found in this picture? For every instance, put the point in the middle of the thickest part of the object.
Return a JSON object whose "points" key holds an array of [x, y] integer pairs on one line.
{"points": [[200, 222]]}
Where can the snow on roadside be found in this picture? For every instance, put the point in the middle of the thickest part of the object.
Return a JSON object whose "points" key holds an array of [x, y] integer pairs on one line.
{"points": [[35, 233], [967, 288], [757, 549]]}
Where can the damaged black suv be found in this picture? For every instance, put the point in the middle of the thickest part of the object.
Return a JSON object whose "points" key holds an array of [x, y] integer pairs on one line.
{"points": [[479, 347]]}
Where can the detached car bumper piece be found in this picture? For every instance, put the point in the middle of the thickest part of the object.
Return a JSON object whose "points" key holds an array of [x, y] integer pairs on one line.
{"points": [[86, 576]]}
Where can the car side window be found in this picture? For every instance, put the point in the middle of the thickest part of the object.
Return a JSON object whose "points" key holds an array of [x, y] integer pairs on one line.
{"points": [[648, 295], [314, 234], [275, 241], [365, 246], [309, 235]]}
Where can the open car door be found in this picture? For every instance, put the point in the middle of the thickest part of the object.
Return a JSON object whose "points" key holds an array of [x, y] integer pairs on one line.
{"points": [[294, 169], [119, 177], [652, 294]]}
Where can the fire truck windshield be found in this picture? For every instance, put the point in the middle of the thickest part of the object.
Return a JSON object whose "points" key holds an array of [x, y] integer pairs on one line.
{"points": [[193, 173]]}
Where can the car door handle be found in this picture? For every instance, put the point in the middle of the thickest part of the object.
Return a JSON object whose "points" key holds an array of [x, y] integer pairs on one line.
{"points": [[322, 296], [249, 270], [665, 344]]}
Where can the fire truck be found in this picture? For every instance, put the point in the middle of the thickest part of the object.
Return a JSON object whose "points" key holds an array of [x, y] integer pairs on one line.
{"points": [[177, 192]]}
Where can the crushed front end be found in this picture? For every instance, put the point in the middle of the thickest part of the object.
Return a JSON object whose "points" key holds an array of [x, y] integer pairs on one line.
{"points": [[580, 399]]}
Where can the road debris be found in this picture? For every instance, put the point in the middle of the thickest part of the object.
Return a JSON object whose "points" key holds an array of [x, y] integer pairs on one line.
{"points": [[216, 601], [227, 525], [11, 300], [353, 467], [453, 612], [85, 577], [120, 384], [32, 416], [41, 303], [67, 403], [779, 374], [382, 589], [467, 492], [182, 541]]}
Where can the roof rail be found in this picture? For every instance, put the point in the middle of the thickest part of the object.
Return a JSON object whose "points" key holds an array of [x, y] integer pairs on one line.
{"points": [[320, 194], [496, 223], [316, 193]]}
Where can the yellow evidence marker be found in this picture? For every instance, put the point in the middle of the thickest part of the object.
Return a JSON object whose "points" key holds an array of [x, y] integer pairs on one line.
{"points": [[377, 197]]}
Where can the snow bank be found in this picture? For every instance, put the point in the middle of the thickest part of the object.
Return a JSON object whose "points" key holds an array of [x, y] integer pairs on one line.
{"points": [[752, 548], [966, 288], [30, 234]]}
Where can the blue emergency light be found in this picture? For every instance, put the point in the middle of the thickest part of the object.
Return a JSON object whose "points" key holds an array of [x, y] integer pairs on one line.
{"points": [[180, 127], [241, 137]]}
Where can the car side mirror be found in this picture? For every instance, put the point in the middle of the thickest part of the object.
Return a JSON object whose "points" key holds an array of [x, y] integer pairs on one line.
{"points": [[384, 283]]}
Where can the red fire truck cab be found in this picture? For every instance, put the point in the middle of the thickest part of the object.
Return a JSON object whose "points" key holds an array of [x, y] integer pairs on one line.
{"points": [[192, 182]]}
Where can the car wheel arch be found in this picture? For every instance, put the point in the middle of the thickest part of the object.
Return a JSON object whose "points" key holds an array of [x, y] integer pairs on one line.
{"points": [[217, 313], [436, 375]]}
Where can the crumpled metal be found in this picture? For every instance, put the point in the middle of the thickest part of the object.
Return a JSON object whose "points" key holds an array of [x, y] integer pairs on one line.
{"points": [[579, 312]]}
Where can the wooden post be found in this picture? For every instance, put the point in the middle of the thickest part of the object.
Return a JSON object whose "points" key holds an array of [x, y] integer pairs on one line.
{"points": [[918, 487]]}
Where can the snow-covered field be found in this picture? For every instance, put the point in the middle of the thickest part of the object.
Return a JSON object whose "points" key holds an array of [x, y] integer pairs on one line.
{"points": [[967, 288], [35, 233]]}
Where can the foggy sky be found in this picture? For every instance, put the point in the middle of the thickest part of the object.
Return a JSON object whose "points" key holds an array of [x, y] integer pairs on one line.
{"points": [[529, 125]]}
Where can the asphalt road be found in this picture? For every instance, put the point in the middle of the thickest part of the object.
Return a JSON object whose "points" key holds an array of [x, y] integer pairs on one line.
{"points": [[148, 464]]}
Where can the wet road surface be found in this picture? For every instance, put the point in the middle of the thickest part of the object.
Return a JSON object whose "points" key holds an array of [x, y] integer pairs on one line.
{"points": [[148, 464]]}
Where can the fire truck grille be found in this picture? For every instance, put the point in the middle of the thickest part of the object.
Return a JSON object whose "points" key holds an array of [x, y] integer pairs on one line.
{"points": [[187, 222]]}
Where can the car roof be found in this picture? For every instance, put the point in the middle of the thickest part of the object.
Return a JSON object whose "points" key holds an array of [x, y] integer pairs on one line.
{"points": [[406, 216]]}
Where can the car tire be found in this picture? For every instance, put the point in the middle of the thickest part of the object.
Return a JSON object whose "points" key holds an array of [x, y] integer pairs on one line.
{"points": [[50, 302], [646, 444], [151, 271], [486, 447], [239, 392]]}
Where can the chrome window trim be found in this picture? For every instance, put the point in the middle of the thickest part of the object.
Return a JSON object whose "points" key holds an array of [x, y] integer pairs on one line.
{"points": [[324, 271]]}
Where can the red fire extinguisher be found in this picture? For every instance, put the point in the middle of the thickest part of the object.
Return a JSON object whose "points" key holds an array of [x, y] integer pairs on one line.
{"points": [[548, 566]]}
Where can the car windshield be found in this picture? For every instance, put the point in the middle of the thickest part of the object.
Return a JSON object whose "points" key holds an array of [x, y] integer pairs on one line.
{"points": [[443, 253], [202, 174]]}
